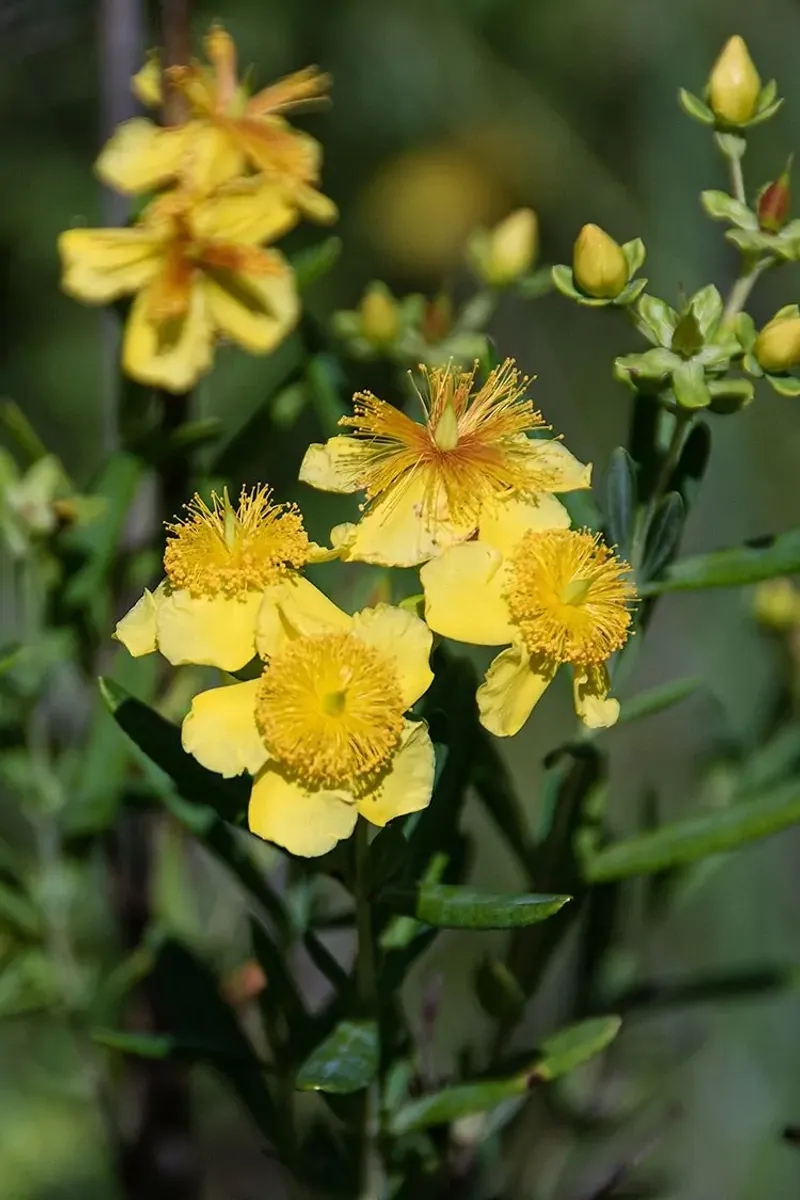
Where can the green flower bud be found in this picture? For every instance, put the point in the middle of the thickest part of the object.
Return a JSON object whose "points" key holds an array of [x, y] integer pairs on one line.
{"points": [[380, 321], [505, 253], [734, 85], [598, 265], [777, 347]]}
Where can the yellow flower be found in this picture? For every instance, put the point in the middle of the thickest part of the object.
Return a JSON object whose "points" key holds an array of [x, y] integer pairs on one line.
{"points": [[197, 271], [734, 85], [226, 134], [555, 594], [430, 484], [323, 731], [226, 570]]}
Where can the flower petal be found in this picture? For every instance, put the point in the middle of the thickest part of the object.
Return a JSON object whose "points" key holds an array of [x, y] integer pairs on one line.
{"points": [[220, 730], [335, 465], [513, 685], [506, 519], [294, 607], [404, 640], [408, 785], [590, 687], [101, 264], [212, 631], [555, 468], [255, 312], [402, 529], [212, 157], [142, 156], [146, 83], [171, 353], [303, 822], [464, 595], [248, 212], [137, 629]]}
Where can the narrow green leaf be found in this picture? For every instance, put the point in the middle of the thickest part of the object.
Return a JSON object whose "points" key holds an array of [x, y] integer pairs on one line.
{"points": [[560, 1053], [450, 907], [692, 464], [346, 1061], [620, 499], [160, 741], [664, 534], [142, 1045], [695, 108], [646, 704], [314, 262], [698, 837], [732, 568]]}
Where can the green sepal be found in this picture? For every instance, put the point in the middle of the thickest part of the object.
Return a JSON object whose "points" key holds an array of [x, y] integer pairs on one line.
{"points": [[694, 107], [722, 207], [746, 331], [689, 385], [635, 255], [784, 385], [656, 320], [730, 395]]}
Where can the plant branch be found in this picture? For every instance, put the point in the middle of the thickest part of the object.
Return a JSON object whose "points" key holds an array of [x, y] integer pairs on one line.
{"points": [[740, 292]]}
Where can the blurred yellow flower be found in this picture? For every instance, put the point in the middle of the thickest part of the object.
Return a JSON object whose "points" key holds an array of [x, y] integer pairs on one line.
{"points": [[555, 594], [777, 605], [227, 133], [198, 271], [502, 255], [226, 570], [323, 731], [434, 483]]}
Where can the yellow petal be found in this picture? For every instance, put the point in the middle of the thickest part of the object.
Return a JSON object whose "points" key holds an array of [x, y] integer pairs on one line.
{"points": [[101, 264], [220, 730], [464, 595], [335, 465], [146, 82], [504, 520], [137, 629], [561, 469], [401, 530], [513, 685], [212, 631], [590, 687], [255, 312], [408, 784], [170, 354], [212, 157], [142, 156], [404, 640], [247, 212], [294, 608], [303, 822]]}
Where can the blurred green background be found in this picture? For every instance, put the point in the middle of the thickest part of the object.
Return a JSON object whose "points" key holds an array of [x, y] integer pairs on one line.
{"points": [[446, 115]]}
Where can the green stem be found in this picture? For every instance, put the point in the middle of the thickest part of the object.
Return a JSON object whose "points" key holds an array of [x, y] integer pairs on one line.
{"points": [[371, 1168], [742, 288], [737, 177]]}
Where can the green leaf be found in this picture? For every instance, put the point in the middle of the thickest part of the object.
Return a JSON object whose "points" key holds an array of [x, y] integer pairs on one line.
{"points": [[692, 464], [688, 382], [559, 1054], [746, 330], [730, 395], [687, 336], [142, 1045], [564, 282], [751, 241], [621, 499], [664, 534], [733, 568], [630, 293], [694, 107], [314, 262], [648, 372], [635, 254], [656, 320], [346, 1061], [707, 307], [784, 385], [160, 741], [698, 837], [722, 207], [450, 907], [646, 704]]}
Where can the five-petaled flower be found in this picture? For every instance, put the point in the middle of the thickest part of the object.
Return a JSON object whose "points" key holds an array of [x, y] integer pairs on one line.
{"points": [[434, 483], [227, 570], [323, 731], [553, 594], [198, 271], [227, 132]]}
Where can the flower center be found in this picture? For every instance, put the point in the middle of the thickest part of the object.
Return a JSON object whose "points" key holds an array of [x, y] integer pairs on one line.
{"points": [[225, 551], [568, 596], [330, 711]]}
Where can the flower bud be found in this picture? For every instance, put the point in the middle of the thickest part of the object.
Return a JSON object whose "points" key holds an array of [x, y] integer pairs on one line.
{"points": [[777, 347], [734, 85], [598, 265], [506, 252], [379, 317], [437, 320], [777, 605], [774, 203]]}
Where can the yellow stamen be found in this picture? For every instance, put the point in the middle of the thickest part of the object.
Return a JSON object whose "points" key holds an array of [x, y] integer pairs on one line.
{"points": [[568, 595], [471, 446], [218, 550], [330, 711]]}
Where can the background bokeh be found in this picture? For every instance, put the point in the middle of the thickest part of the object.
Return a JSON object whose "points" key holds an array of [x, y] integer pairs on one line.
{"points": [[447, 114]]}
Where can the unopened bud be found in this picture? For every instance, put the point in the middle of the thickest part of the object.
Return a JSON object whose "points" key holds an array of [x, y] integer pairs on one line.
{"points": [[598, 265], [734, 85], [777, 347], [379, 317], [777, 605], [774, 203], [506, 252], [437, 320]]}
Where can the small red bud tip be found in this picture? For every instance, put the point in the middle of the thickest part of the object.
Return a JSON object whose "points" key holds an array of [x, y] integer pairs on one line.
{"points": [[774, 204]]}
